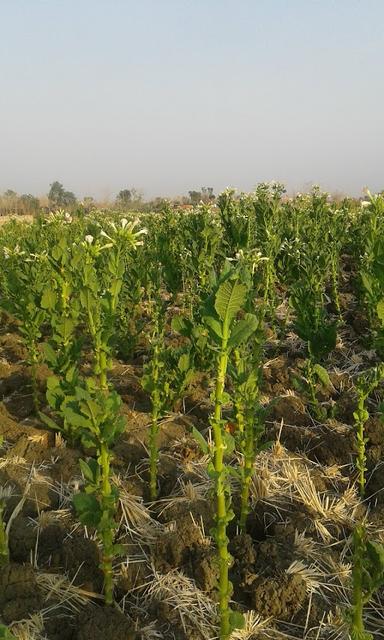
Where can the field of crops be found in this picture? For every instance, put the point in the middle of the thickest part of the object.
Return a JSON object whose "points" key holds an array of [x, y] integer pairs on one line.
{"points": [[192, 441]]}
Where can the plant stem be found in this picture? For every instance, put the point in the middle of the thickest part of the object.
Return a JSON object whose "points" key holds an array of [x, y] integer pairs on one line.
{"points": [[246, 474], [221, 506], [361, 457], [153, 434], [34, 359], [106, 530]]}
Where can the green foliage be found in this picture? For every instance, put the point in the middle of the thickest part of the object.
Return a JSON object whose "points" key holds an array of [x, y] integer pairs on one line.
{"points": [[83, 290], [23, 285], [5, 633], [372, 267], [58, 197], [166, 376], [368, 556], [220, 316], [367, 576]]}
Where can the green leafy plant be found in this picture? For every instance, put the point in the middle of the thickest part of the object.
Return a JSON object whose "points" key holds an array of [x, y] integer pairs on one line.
{"points": [[165, 377], [96, 416], [248, 416], [88, 406], [368, 556], [372, 266], [23, 285], [62, 350], [226, 332], [319, 332]]}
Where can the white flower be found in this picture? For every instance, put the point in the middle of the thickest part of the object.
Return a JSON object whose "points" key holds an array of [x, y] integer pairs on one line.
{"points": [[124, 223], [365, 203], [89, 239], [67, 217]]}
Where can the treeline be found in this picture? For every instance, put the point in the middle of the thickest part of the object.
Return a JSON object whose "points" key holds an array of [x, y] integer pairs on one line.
{"points": [[12, 203]]}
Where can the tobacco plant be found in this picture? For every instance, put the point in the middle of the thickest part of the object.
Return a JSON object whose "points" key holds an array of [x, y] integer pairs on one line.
{"points": [[93, 409], [165, 377], [62, 350], [248, 416], [96, 416], [226, 333], [372, 266], [368, 556], [23, 286], [313, 324]]}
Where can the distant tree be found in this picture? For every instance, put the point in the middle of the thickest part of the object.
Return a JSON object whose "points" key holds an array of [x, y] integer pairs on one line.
{"points": [[29, 202], [195, 196], [207, 194], [59, 197], [9, 193], [124, 197]]}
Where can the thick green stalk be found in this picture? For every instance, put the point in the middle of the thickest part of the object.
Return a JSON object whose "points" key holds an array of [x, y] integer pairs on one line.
{"points": [[221, 504], [246, 474], [241, 428], [107, 530], [153, 434], [103, 367], [34, 360], [335, 288]]}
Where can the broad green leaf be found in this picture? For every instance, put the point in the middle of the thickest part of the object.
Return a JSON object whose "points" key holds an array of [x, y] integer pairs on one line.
{"points": [[375, 552], [90, 470], [50, 354], [243, 330], [49, 422], [367, 282], [48, 299], [88, 509], [236, 620], [75, 419], [184, 362], [215, 326], [53, 382], [229, 299], [380, 310], [201, 441], [88, 440], [179, 324], [323, 376]]}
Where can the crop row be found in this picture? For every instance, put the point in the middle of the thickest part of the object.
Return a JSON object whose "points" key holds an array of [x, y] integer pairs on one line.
{"points": [[200, 289]]}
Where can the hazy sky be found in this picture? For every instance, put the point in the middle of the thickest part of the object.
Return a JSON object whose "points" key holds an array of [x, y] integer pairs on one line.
{"points": [[172, 95]]}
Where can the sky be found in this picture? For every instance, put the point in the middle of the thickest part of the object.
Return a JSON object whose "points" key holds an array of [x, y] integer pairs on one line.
{"points": [[172, 95]]}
